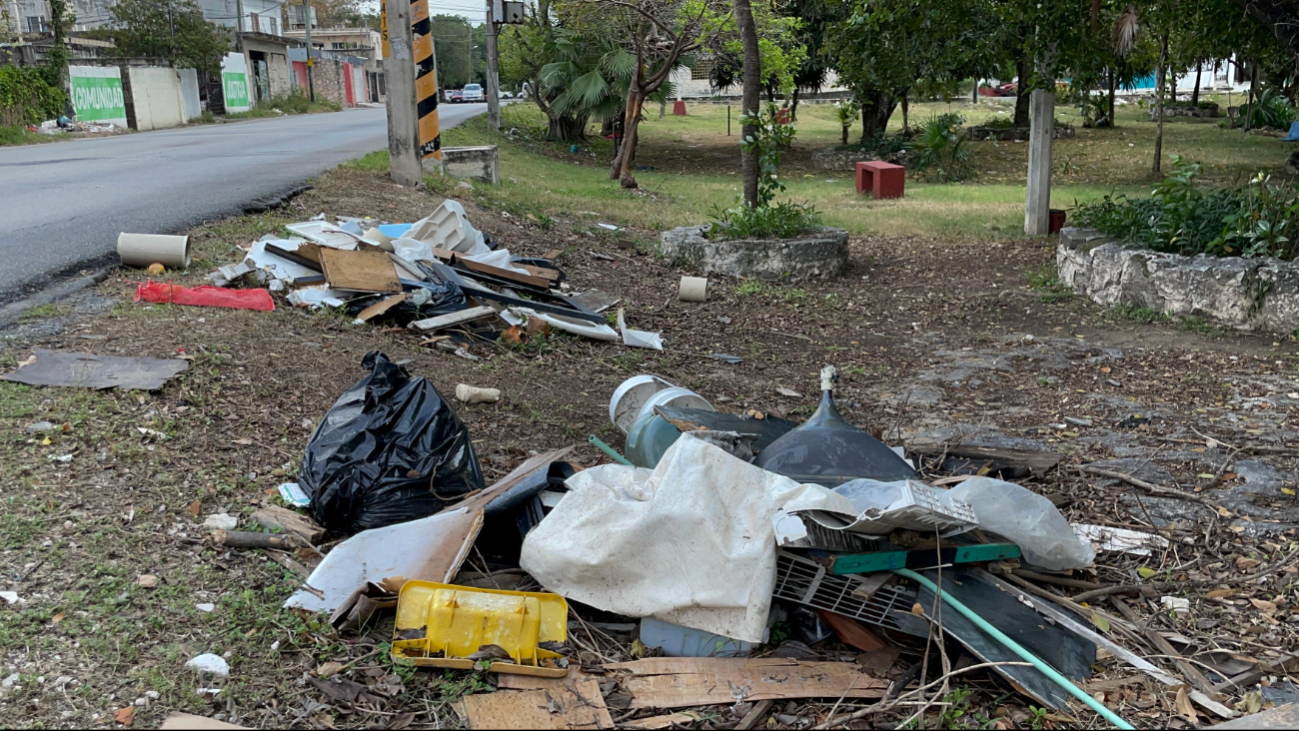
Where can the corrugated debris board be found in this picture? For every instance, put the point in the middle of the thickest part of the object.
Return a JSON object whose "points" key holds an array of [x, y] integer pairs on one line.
{"points": [[562, 703], [1067, 652], [681, 682], [51, 368]]}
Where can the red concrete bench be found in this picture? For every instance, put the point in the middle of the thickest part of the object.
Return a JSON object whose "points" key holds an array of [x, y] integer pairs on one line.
{"points": [[882, 179]]}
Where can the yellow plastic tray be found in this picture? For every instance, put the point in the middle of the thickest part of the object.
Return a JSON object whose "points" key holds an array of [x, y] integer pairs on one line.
{"points": [[440, 625]]}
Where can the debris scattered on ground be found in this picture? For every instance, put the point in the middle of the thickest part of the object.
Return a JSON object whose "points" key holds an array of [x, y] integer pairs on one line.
{"points": [[50, 368], [210, 664]]}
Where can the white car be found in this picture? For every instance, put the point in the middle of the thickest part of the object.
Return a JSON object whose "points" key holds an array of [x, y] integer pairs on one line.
{"points": [[473, 93]]}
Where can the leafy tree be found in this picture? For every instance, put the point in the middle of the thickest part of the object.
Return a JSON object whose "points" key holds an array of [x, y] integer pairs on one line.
{"points": [[453, 44], [57, 60], [524, 50], [177, 32], [883, 47]]}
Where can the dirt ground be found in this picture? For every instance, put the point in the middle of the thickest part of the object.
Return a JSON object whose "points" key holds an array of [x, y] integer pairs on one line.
{"points": [[933, 340]]}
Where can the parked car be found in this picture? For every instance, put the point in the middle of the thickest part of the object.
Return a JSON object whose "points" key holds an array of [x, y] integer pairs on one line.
{"points": [[473, 93], [506, 95], [1007, 89], [455, 96]]}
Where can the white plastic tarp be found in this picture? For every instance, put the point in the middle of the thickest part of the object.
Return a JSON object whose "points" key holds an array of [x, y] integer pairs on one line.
{"points": [[690, 542]]}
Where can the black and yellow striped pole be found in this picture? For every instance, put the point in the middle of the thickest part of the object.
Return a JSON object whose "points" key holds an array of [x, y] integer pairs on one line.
{"points": [[426, 81]]}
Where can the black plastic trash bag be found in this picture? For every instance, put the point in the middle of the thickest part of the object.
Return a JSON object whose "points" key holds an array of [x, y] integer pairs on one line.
{"points": [[389, 450]]}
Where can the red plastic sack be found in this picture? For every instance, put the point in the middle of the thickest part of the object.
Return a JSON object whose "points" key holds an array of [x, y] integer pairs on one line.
{"points": [[205, 296]]}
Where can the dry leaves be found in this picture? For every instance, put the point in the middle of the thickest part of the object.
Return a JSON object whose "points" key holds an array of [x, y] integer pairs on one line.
{"points": [[124, 716], [147, 581], [1183, 704]]}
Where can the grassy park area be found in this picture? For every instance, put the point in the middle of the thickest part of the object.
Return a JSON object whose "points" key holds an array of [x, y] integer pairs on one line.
{"points": [[689, 165]]}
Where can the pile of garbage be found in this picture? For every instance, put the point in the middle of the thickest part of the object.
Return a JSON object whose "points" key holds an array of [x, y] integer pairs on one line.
{"points": [[64, 125], [437, 275], [727, 559]]}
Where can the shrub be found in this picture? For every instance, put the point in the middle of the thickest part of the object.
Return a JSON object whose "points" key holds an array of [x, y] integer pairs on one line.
{"points": [[25, 98], [766, 219], [939, 148], [1006, 122], [1271, 109], [1258, 219]]}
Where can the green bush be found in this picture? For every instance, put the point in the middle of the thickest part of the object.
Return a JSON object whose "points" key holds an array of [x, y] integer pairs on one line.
{"points": [[767, 219], [1006, 122], [1271, 109], [11, 134], [1258, 219], [25, 98], [939, 148]]}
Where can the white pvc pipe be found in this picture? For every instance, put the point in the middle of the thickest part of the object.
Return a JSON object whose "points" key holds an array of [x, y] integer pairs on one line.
{"points": [[141, 250], [693, 289]]}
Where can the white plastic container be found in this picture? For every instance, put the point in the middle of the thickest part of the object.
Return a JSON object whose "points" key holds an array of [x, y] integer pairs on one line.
{"points": [[677, 641]]}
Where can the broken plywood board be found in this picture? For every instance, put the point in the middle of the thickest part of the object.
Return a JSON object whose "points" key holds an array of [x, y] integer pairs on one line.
{"points": [[442, 322], [1000, 458], [50, 368], [568, 703], [681, 682], [360, 271], [380, 307], [458, 260]]}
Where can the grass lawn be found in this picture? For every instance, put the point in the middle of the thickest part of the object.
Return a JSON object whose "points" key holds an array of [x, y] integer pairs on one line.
{"points": [[690, 166]]}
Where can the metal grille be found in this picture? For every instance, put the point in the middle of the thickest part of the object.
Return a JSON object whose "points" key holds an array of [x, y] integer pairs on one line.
{"points": [[804, 581]]}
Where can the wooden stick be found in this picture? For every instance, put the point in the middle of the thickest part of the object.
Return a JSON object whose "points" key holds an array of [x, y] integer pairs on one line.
{"points": [[754, 715], [251, 539], [1189, 671], [1060, 580], [1154, 489]]}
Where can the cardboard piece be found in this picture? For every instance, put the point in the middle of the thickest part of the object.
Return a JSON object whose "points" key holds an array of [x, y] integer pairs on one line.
{"points": [[681, 682], [51, 368], [570, 703], [681, 718], [183, 721], [359, 271], [380, 307]]}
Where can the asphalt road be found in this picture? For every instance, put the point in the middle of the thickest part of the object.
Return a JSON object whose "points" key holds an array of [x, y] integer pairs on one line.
{"points": [[63, 204]]}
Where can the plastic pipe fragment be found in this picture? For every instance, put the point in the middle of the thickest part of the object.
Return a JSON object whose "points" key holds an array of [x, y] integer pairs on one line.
{"points": [[613, 453], [1018, 649]]}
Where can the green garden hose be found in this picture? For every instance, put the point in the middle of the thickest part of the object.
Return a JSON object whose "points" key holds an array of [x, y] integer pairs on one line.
{"points": [[613, 453], [1016, 648]]}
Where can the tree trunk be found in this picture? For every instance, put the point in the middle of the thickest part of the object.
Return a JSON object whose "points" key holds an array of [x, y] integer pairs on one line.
{"points": [[565, 128], [1249, 107], [1195, 91], [845, 134], [906, 114], [1160, 80], [752, 90], [663, 107], [1021, 91], [876, 108], [625, 161], [793, 107], [1113, 83], [974, 98]]}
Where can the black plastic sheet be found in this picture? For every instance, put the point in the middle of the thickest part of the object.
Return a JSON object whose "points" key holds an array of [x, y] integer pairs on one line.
{"points": [[390, 450]]}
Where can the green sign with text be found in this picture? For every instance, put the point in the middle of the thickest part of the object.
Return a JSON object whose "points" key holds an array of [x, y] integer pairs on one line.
{"points": [[235, 85], [98, 98]]}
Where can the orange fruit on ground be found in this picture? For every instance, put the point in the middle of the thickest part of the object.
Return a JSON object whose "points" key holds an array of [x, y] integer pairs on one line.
{"points": [[156, 268]]}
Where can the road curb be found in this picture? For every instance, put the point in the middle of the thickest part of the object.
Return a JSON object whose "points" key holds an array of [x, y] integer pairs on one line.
{"points": [[10, 312]]}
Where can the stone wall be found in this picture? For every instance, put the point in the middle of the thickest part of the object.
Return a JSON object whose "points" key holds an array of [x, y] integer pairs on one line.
{"points": [[820, 254], [845, 160], [1015, 134], [1208, 112], [1246, 294], [330, 79]]}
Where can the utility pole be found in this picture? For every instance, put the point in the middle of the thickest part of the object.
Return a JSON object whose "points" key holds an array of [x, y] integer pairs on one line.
{"points": [[493, 81], [403, 131], [239, 26], [306, 23]]}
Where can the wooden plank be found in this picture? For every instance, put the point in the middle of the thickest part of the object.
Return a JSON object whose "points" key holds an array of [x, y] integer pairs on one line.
{"points": [[442, 322], [681, 682], [359, 271], [380, 307], [672, 719], [456, 260], [1035, 460], [273, 517], [550, 275], [569, 703], [181, 721]]}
